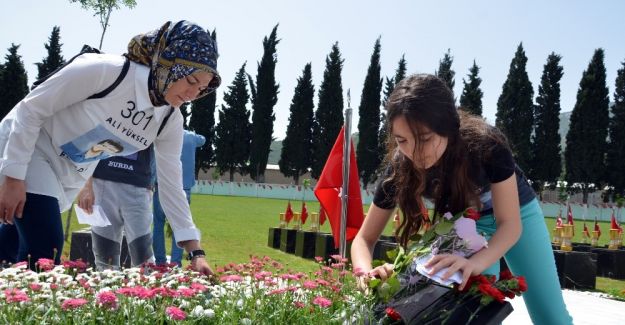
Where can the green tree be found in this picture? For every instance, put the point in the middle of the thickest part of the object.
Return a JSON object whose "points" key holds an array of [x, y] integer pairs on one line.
{"points": [[515, 109], [203, 122], [445, 72], [296, 155], [54, 60], [233, 132], [367, 151], [471, 98], [389, 86], [103, 9], [586, 141], [264, 98], [546, 165], [13, 81], [616, 150], [329, 115]]}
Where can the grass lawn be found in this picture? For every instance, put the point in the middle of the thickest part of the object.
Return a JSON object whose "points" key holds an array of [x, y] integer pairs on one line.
{"points": [[235, 227]]}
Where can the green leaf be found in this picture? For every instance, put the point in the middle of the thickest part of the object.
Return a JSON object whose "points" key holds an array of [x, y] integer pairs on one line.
{"points": [[443, 227], [374, 283], [376, 263]]}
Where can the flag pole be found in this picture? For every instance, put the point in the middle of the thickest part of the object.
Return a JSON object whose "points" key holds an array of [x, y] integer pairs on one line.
{"points": [[344, 189]]}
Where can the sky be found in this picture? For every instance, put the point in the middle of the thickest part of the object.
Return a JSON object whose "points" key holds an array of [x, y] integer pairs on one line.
{"points": [[485, 31]]}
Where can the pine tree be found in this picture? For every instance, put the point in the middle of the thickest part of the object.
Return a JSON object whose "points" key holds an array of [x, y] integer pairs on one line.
{"points": [[515, 109], [233, 133], [329, 115], [546, 165], [13, 81], [203, 122], [296, 155], [471, 98], [445, 72], [367, 151], [54, 59], [586, 141], [616, 150], [389, 86], [262, 106]]}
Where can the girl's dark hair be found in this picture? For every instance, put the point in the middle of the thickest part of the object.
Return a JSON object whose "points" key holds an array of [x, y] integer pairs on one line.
{"points": [[425, 100]]}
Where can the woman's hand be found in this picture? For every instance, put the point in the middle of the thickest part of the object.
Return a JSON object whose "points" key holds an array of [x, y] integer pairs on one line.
{"points": [[199, 264], [454, 263], [86, 198], [12, 199]]}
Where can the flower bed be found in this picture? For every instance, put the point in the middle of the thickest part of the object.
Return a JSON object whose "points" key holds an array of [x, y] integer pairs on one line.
{"points": [[258, 292]]}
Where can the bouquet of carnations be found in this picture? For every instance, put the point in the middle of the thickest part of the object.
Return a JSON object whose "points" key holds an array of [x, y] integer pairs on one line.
{"points": [[411, 295]]}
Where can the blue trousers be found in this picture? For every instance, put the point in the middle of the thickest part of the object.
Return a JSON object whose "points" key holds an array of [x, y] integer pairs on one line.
{"points": [[158, 234], [38, 234], [532, 257]]}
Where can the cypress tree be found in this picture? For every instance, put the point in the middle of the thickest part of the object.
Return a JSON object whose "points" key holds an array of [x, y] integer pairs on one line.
{"points": [[586, 141], [515, 109], [233, 132], [547, 163], [329, 115], [13, 81], [185, 111], [400, 74], [296, 155], [471, 98], [367, 151], [262, 106], [54, 59], [445, 72], [203, 122], [616, 150]]}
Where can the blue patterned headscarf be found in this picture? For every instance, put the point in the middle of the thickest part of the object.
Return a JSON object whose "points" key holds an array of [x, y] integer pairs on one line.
{"points": [[174, 52]]}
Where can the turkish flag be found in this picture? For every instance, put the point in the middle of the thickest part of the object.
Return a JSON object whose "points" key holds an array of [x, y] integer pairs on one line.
{"points": [[328, 190], [615, 224], [304, 215], [288, 215], [597, 228], [322, 216], [586, 232], [569, 216]]}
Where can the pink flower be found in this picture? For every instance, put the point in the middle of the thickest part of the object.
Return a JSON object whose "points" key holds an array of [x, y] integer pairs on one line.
{"points": [[359, 272], [231, 278], [322, 302], [288, 276], [107, 299], [323, 282], [35, 286], [45, 264], [73, 303], [20, 264], [15, 295], [299, 304], [310, 284], [198, 287], [262, 275], [186, 292], [319, 259], [175, 313], [277, 291]]}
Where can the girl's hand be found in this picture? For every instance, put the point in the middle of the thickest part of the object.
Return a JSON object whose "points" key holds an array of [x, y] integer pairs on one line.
{"points": [[12, 199], [382, 271], [454, 263]]}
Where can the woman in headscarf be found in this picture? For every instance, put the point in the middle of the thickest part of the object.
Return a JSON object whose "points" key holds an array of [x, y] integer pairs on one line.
{"points": [[162, 70]]}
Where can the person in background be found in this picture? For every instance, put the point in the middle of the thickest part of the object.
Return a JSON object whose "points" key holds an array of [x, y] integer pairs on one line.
{"points": [[190, 143], [122, 187]]}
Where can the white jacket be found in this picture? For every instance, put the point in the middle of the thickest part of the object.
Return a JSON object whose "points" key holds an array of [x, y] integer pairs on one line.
{"points": [[45, 138]]}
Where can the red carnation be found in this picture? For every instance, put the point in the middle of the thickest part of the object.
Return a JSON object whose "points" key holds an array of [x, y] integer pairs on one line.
{"points": [[472, 214], [392, 314], [522, 284], [506, 275]]}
